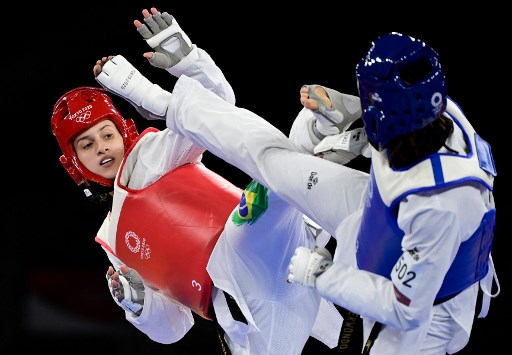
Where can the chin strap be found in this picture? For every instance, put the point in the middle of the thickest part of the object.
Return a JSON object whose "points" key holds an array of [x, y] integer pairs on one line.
{"points": [[97, 193]]}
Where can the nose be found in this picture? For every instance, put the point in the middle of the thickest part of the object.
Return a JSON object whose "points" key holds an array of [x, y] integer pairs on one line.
{"points": [[103, 149]]}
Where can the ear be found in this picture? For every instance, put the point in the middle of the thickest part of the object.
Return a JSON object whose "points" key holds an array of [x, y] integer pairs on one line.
{"points": [[73, 170]]}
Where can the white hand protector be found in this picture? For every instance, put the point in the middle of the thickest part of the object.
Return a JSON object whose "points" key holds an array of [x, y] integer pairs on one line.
{"points": [[121, 78], [131, 291], [345, 110], [166, 37], [342, 148], [306, 265]]}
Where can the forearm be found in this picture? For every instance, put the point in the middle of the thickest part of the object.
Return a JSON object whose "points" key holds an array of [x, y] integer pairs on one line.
{"points": [[161, 319], [200, 66], [369, 295]]}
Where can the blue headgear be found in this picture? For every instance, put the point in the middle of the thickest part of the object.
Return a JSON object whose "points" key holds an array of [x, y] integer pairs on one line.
{"points": [[401, 86]]}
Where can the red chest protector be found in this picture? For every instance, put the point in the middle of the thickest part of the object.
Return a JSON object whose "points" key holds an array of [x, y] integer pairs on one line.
{"points": [[168, 230]]}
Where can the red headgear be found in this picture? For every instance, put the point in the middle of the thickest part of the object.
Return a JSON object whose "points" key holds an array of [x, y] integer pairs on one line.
{"points": [[78, 110]]}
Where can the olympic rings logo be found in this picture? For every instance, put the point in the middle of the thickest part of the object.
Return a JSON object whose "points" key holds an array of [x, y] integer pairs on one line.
{"points": [[84, 117], [81, 115], [135, 245], [129, 238]]}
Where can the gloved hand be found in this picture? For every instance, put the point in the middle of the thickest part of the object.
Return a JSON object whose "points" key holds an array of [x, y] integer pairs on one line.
{"points": [[337, 118], [305, 265], [120, 77], [165, 36], [126, 288], [343, 147]]}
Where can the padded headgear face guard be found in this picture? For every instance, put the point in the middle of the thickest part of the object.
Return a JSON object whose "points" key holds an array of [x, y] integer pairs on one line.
{"points": [[78, 110], [401, 86]]}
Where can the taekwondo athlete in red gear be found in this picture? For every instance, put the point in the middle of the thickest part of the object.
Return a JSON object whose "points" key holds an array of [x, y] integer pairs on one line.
{"points": [[249, 260]]}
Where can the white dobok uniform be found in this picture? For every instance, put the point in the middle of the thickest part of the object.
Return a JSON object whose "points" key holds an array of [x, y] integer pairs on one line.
{"points": [[435, 223], [250, 258]]}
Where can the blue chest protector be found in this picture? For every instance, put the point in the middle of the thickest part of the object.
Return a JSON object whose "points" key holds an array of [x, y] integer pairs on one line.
{"points": [[379, 239]]}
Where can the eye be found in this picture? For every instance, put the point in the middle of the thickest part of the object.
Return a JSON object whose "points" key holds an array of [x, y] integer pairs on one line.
{"points": [[109, 135], [87, 146]]}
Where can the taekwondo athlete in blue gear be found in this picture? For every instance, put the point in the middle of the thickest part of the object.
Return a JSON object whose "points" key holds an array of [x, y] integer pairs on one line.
{"points": [[429, 214]]}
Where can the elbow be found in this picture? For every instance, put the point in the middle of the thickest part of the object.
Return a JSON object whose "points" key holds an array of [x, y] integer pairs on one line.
{"points": [[412, 319]]}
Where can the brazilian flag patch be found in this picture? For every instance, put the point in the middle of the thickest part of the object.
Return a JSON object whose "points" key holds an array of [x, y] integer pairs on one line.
{"points": [[253, 204]]}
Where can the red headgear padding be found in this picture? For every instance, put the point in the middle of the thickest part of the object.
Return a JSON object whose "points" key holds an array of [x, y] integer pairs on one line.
{"points": [[78, 110]]}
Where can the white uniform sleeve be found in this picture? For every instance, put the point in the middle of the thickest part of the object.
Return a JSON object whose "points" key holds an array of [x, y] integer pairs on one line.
{"points": [[434, 226], [166, 151], [200, 66], [162, 320], [158, 153], [317, 187]]}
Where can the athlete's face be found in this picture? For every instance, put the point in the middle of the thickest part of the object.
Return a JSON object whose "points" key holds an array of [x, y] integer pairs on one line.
{"points": [[100, 149]]}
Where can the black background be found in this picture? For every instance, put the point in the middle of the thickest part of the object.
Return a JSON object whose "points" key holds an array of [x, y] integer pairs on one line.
{"points": [[54, 294]]}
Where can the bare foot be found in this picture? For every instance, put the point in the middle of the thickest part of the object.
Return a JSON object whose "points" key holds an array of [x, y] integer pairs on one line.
{"points": [[311, 104]]}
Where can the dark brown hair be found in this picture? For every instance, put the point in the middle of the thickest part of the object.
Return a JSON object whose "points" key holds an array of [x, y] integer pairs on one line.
{"points": [[409, 148]]}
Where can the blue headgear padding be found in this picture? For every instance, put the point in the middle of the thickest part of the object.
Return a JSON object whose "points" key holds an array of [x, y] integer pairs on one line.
{"points": [[401, 86]]}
